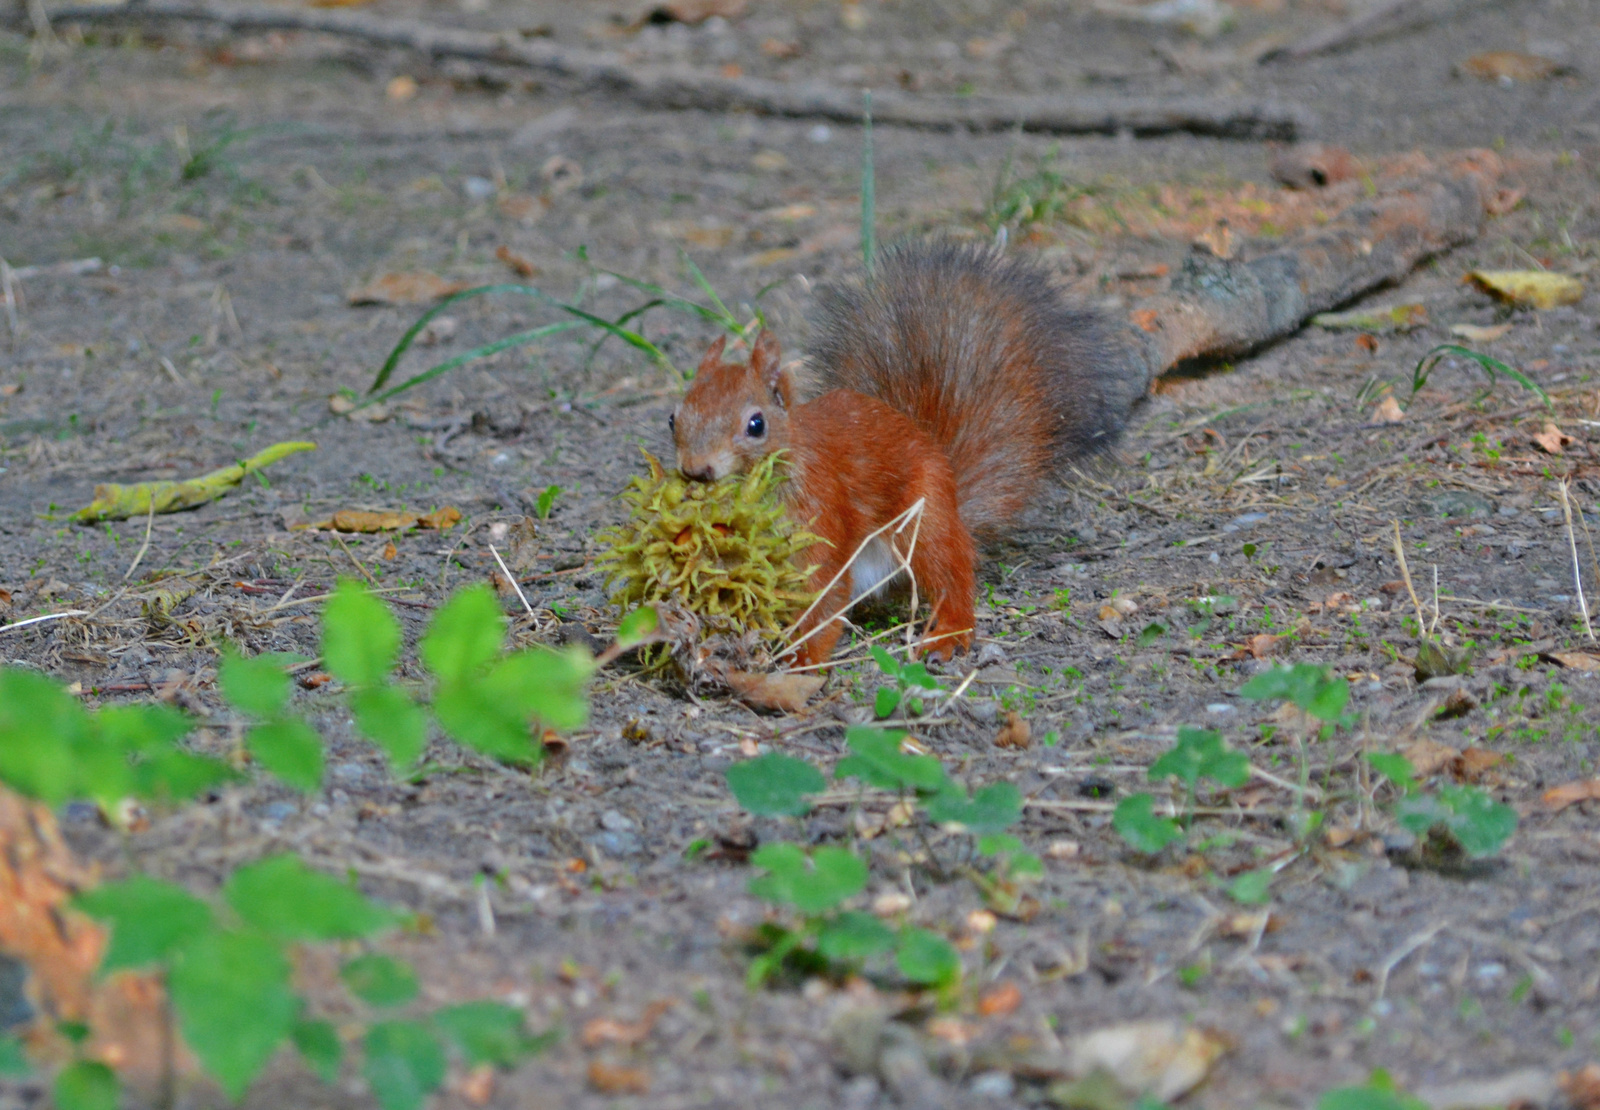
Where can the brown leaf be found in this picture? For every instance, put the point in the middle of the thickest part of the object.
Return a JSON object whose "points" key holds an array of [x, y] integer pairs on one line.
{"points": [[610, 1031], [1368, 343], [405, 287], [1560, 797], [999, 1000], [1311, 165], [399, 89], [1473, 763], [389, 551], [1015, 733], [1427, 756], [615, 1079], [1458, 703], [1388, 411], [1217, 240], [1509, 65], [1259, 646], [1576, 660], [782, 693], [780, 48], [518, 265], [1552, 439], [477, 1086], [440, 519], [523, 208], [1582, 1087]]}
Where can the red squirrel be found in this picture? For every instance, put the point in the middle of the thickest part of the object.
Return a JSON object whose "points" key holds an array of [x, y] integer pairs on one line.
{"points": [[952, 375]]}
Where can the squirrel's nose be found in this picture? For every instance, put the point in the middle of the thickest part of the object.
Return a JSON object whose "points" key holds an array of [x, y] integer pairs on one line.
{"points": [[703, 473]]}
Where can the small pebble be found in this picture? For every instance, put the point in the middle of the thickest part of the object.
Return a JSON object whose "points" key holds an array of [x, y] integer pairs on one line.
{"points": [[478, 188], [993, 1084], [1219, 707], [821, 133]]}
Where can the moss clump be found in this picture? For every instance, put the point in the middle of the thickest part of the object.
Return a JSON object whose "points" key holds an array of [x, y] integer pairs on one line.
{"points": [[726, 551]]}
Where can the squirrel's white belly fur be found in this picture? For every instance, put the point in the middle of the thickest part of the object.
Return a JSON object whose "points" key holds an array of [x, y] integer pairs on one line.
{"points": [[874, 568]]}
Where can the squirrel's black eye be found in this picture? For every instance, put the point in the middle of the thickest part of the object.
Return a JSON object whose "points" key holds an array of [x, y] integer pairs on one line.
{"points": [[756, 427], [672, 421]]}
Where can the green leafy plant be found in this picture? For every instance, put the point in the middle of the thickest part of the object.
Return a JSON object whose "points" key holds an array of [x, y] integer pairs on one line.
{"points": [[1378, 1093], [827, 938], [1197, 754], [907, 677], [228, 967], [226, 961], [1462, 817], [547, 501]]}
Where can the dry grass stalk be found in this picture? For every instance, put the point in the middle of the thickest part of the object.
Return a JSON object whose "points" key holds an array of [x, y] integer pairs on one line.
{"points": [[1577, 567]]}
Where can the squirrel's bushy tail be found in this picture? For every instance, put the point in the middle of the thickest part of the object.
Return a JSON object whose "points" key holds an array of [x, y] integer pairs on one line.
{"points": [[988, 357]]}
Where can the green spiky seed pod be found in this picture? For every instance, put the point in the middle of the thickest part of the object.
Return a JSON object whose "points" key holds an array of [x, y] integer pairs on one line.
{"points": [[726, 550]]}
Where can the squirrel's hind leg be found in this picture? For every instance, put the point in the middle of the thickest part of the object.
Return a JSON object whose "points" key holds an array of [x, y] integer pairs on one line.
{"points": [[944, 565]]}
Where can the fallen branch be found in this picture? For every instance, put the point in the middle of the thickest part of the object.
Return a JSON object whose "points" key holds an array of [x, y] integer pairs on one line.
{"points": [[682, 87], [1378, 18], [1223, 308]]}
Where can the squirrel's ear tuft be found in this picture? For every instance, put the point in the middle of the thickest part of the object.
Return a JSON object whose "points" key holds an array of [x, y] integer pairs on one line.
{"points": [[714, 353], [765, 358]]}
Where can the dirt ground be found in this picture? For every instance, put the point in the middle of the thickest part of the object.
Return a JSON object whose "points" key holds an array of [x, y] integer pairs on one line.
{"points": [[238, 188]]}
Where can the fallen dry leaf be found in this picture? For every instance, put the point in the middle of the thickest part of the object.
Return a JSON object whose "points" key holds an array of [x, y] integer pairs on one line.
{"points": [[1379, 321], [1015, 733], [1530, 288], [1161, 1059], [1259, 646], [403, 288], [1000, 1000], [401, 88], [615, 1079], [951, 1030], [517, 264], [525, 209], [601, 1031], [1552, 439], [1311, 165], [1509, 65], [1575, 660], [1477, 333], [477, 1086], [1388, 411], [1217, 240], [341, 404], [1427, 756], [781, 693], [366, 521], [1567, 794], [1582, 1087], [1473, 763]]}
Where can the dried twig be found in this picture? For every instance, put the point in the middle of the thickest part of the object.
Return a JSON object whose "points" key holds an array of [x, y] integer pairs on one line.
{"points": [[512, 579], [1341, 35], [149, 525], [47, 617], [1405, 573], [1392, 960], [1577, 567]]}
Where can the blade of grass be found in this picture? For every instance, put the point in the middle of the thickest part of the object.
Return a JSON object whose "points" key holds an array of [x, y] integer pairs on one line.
{"points": [[531, 336], [415, 330], [869, 187], [634, 314], [705, 286], [1491, 366]]}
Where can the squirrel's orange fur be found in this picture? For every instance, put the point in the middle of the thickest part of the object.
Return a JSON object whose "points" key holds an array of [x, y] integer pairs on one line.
{"points": [[960, 379]]}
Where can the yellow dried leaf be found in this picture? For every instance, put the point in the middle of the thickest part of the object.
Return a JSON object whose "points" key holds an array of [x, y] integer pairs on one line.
{"points": [[1530, 288], [1510, 65]]}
